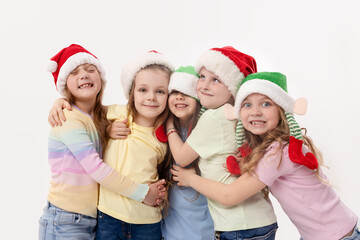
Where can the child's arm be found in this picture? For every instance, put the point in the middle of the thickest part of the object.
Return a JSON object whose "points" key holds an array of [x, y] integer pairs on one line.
{"points": [[182, 152], [56, 113], [75, 137], [228, 194]]}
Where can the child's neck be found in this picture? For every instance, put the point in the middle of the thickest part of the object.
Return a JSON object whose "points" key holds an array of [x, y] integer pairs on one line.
{"points": [[85, 106], [144, 122], [185, 123]]}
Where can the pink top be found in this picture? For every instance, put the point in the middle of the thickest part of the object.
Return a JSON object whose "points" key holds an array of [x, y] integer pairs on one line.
{"points": [[313, 207]]}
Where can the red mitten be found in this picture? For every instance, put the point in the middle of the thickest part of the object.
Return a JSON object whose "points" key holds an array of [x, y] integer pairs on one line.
{"points": [[161, 134], [232, 165], [296, 155]]}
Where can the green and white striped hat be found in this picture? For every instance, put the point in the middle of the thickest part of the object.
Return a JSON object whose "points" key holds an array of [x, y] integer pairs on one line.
{"points": [[184, 80], [274, 86]]}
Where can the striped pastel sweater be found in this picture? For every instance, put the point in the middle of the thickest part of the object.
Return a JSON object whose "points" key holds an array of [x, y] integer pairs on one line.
{"points": [[77, 168]]}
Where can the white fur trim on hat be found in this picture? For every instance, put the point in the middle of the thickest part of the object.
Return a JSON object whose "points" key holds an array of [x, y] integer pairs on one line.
{"points": [[73, 62], [223, 67], [184, 83], [130, 70], [265, 87]]}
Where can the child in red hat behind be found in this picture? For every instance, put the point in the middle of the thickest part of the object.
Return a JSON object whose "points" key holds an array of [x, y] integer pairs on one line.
{"points": [[221, 70]]}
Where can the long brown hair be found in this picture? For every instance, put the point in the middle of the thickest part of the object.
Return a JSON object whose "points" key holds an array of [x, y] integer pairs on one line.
{"points": [[280, 134], [131, 103], [169, 161], [99, 116]]}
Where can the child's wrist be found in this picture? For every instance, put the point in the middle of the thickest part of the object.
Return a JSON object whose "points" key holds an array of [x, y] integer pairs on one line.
{"points": [[170, 131]]}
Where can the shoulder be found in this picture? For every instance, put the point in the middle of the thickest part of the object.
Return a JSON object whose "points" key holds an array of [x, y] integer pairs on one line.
{"points": [[117, 108], [217, 114], [116, 111], [278, 153], [74, 120], [74, 116]]}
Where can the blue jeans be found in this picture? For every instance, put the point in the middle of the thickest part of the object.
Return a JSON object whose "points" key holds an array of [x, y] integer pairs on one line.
{"points": [[261, 233], [354, 236], [58, 224], [110, 228]]}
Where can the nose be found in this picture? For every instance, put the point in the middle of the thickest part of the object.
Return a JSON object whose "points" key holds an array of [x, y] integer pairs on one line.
{"points": [[151, 95], [255, 111], [204, 83], [83, 74], [179, 96]]}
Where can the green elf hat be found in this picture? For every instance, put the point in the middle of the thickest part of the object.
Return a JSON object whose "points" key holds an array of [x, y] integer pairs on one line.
{"points": [[274, 86], [184, 80]]}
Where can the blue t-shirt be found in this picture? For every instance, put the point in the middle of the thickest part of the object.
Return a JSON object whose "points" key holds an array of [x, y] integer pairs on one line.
{"points": [[188, 215]]}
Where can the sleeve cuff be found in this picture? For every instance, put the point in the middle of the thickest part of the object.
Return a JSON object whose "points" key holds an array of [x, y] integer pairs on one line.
{"points": [[140, 192]]}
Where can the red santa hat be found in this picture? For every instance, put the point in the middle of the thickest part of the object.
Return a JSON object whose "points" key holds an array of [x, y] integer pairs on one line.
{"points": [[230, 65], [69, 58]]}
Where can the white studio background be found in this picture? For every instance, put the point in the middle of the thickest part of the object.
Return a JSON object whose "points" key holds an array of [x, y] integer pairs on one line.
{"points": [[315, 43]]}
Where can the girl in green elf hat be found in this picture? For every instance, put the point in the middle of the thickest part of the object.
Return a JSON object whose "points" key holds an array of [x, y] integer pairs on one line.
{"points": [[187, 214], [280, 158]]}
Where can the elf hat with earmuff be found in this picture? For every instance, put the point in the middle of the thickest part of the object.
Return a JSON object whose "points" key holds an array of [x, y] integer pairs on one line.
{"points": [[274, 86]]}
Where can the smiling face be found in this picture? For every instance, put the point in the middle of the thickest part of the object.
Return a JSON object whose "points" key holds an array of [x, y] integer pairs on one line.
{"points": [[259, 114], [182, 106], [84, 82], [211, 91], [150, 95]]}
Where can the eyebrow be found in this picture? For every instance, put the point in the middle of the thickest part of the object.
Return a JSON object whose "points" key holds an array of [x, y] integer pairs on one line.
{"points": [[146, 85]]}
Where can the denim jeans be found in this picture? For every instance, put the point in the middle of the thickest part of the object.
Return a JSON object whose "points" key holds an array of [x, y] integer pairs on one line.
{"points": [[261, 233], [58, 224], [354, 236], [110, 228]]}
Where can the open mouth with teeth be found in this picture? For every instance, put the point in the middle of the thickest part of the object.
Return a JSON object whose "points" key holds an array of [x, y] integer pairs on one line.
{"points": [[86, 85], [181, 105], [257, 123]]}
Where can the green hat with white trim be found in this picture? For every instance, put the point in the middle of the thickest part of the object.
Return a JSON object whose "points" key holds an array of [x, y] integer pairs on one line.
{"points": [[184, 80], [274, 86]]}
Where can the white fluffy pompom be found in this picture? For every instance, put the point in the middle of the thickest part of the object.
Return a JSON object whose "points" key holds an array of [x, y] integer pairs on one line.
{"points": [[52, 66]]}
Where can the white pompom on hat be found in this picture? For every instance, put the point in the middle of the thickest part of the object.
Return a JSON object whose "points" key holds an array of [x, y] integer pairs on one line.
{"points": [[69, 58], [130, 70]]}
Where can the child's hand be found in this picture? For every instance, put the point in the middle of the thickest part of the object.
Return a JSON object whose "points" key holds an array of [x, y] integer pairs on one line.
{"points": [[56, 112], [181, 175], [156, 194], [118, 129]]}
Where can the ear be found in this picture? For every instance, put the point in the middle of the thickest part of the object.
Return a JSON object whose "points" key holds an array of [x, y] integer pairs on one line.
{"points": [[300, 106], [229, 111]]}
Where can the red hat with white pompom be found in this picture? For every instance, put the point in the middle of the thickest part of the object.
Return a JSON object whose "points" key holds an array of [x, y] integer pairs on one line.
{"points": [[229, 64], [69, 58]]}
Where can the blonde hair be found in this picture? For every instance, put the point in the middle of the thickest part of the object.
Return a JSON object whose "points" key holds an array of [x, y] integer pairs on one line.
{"points": [[280, 134], [99, 115], [131, 103]]}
